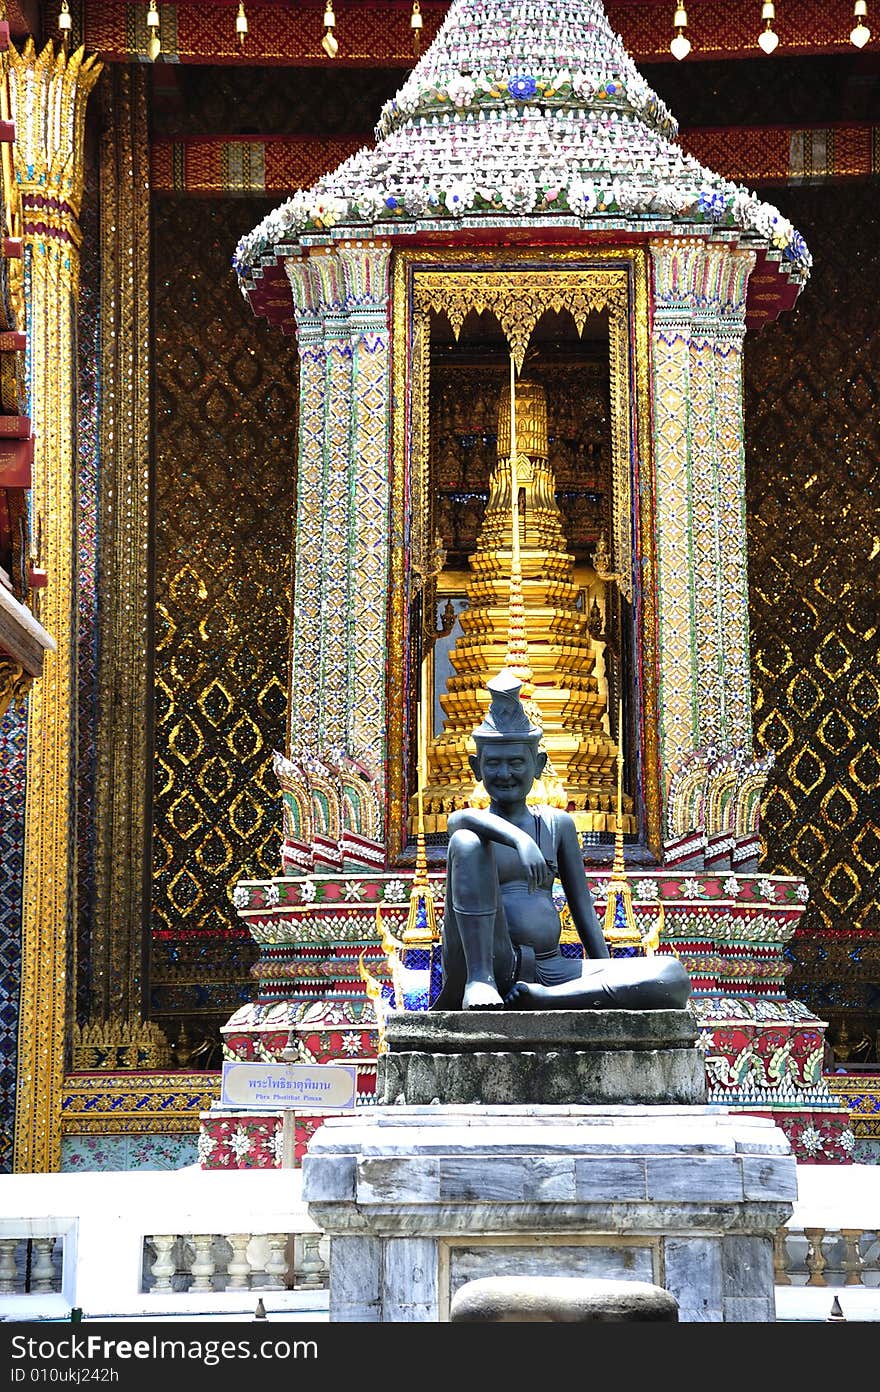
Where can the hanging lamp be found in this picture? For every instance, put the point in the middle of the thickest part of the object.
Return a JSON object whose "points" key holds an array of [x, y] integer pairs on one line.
{"points": [[768, 39], [329, 43], [680, 45]]}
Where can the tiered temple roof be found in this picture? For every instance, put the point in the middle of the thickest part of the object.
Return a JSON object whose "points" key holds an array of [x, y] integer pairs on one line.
{"points": [[523, 114]]}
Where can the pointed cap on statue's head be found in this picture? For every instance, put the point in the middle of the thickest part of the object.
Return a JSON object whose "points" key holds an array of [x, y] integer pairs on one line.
{"points": [[506, 718]]}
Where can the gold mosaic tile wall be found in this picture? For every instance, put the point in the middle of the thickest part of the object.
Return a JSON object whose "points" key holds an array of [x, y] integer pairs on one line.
{"points": [[813, 461], [225, 460]]}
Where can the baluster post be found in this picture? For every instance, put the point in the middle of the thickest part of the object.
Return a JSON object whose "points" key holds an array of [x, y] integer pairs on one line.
{"points": [[852, 1260], [238, 1268], [42, 1271], [276, 1261], [311, 1269], [8, 1268], [163, 1268], [203, 1265], [780, 1258], [816, 1260]]}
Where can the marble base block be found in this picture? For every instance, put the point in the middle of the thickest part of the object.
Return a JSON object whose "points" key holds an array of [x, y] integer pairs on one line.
{"points": [[541, 1056], [420, 1200]]}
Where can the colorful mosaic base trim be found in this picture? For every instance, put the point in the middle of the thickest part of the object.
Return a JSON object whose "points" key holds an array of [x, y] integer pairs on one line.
{"points": [[860, 1093], [372, 34], [729, 931], [330, 1045], [756, 1049], [236, 1141], [136, 1104], [106, 1153], [259, 897], [815, 1137], [241, 1142]]}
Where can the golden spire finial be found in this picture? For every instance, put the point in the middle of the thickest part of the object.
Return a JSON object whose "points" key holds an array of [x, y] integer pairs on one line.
{"points": [[618, 869], [620, 920], [421, 925], [620, 927], [517, 658]]}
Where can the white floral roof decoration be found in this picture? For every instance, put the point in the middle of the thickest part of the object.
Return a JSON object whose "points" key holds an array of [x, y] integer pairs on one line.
{"points": [[522, 111]]}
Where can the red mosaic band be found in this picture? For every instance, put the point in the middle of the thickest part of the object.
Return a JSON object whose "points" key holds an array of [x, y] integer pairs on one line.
{"points": [[787, 154], [251, 165], [280, 164], [379, 35]]}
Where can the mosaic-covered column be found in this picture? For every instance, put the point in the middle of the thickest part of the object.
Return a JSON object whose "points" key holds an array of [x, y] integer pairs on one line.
{"points": [[306, 627], [50, 91], [675, 266], [367, 294], [735, 271], [333, 780], [705, 696], [122, 752]]}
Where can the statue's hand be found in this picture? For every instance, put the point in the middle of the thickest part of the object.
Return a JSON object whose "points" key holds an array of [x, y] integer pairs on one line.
{"points": [[533, 863]]}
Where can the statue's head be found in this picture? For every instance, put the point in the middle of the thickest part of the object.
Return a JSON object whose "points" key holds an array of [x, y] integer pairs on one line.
{"points": [[507, 759]]}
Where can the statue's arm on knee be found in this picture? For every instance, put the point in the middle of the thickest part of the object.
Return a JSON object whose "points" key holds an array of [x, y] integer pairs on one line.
{"points": [[490, 827], [577, 891]]}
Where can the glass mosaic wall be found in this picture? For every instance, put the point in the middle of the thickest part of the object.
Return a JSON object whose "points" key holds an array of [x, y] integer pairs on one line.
{"points": [[813, 459], [225, 450]]}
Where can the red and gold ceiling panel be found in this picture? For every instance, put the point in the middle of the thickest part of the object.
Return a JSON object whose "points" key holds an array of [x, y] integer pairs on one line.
{"points": [[379, 34]]}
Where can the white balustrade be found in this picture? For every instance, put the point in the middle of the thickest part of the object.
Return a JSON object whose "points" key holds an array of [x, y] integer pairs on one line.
{"points": [[218, 1262], [145, 1242], [827, 1258], [134, 1243]]}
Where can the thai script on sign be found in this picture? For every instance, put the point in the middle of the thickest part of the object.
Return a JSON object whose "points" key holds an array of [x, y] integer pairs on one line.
{"points": [[288, 1085]]}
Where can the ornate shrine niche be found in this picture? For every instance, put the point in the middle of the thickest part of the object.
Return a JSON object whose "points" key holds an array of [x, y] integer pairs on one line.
{"points": [[468, 376], [458, 380]]}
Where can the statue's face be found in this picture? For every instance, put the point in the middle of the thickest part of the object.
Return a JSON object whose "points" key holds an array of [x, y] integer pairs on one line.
{"points": [[508, 769]]}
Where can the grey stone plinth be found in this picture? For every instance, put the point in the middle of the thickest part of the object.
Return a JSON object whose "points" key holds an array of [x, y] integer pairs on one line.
{"points": [[542, 1056], [559, 1300], [418, 1201], [512, 1031]]}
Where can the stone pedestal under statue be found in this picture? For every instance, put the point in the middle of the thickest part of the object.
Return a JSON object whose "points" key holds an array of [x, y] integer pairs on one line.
{"points": [[420, 1200], [541, 1056]]}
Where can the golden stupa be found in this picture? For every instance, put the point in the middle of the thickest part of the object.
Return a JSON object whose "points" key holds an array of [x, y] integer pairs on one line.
{"points": [[522, 612]]}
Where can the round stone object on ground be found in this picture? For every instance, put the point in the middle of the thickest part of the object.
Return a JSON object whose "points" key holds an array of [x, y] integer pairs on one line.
{"points": [[560, 1299]]}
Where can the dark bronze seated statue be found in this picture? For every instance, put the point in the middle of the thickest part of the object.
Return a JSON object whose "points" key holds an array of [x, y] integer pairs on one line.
{"points": [[502, 930]]}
